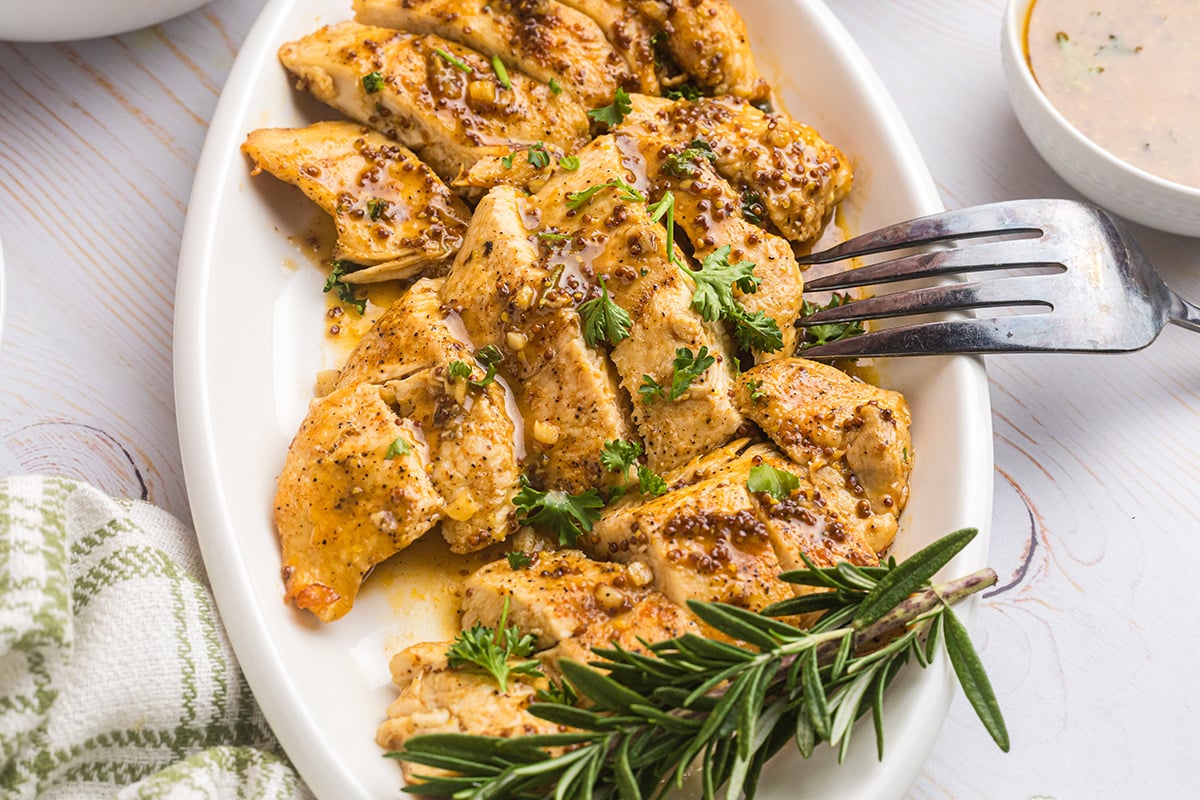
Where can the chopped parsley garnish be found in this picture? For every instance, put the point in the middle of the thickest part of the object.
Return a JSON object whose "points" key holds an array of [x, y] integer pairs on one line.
{"points": [[832, 331], [376, 208], [684, 163], [603, 319], [569, 163], [518, 560], [776, 482], [553, 236], [686, 369], [488, 357], [752, 208], [507, 161], [538, 156], [755, 331], [453, 61], [490, 649], [554, 87], [754, 385], [684, 91], [501, 72], [345, 291], [568, 516], [398, 448], [650, 482], [459, 370], [613, 113], [577, 200], [619, 455], [372, 82]]}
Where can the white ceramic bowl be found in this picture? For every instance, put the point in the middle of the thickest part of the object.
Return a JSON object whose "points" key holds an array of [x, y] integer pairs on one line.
{"points": [[63, 20], [1102, 177]]}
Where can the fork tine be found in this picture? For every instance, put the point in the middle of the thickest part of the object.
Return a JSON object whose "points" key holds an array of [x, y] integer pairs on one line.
{"points": [[1017, 334], [1026, 290], [973, 258], [1011, 216]]}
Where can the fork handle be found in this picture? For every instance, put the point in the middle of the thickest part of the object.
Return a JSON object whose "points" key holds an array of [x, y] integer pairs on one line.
{"points": [[1184, 314]]}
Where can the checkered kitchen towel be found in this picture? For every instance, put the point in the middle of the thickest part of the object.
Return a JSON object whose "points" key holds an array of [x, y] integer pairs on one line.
{"points": [[116, 679]]}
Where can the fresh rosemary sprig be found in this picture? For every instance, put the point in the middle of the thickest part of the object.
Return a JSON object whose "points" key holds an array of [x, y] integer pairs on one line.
{"points": [[727, 709]]}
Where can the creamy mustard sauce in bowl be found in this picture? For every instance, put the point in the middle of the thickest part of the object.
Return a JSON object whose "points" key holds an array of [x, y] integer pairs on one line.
{"points": [[1126, 75]]}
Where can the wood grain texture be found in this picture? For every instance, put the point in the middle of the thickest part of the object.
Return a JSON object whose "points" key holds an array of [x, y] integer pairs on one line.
{"points": [[1097, 478]]}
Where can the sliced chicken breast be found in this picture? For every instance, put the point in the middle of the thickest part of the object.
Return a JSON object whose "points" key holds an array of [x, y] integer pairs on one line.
{"points": [[394, 217], [545, 39], [440, 99]]}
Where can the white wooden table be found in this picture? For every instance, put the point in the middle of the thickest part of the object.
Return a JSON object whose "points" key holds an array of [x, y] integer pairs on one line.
{"points": [[1088, 640]]}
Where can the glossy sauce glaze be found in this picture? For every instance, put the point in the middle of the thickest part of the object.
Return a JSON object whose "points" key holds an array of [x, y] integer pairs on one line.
{"points": [[1126, 75]]}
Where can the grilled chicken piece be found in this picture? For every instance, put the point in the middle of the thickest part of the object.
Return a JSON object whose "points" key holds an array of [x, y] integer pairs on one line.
{"points": [[440, 99], [852, 436], [393, 215], [708, 210], [796, 175], [544, 39], [343, 505], [570, 399], [630, 32], [711, 538], [572, 603], [470, 431], [708, 40], [612, 238], [437, 699]]}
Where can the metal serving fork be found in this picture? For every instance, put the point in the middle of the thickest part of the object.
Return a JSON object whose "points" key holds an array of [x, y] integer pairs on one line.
{"points": [[1104, 297]]}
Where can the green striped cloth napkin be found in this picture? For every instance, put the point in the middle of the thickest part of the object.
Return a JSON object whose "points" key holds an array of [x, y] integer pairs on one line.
{"points": [[116, 679]]}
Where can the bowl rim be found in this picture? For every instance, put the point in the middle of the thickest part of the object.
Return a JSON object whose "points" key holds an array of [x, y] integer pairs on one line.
{"points": [[1016, 30]]}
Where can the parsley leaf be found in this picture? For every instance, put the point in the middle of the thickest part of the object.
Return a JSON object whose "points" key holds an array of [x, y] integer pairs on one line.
{"points": [[453, 61], [683, 164], [577, 200], [752, 208], [459, 370], [372, 82], [684, 91], [569, 163], [650, 482], [553, 236], [398, 448], [615, 112], [490, 649], [501, 72], [832, 331], [376, 208], [345, 291], [776, 482], [688, 368], [651, 390], [488, 357], [538, 156], [715, 281], [757, 395], [554, 87], [507, 160], [603, 319], [518, 560], [567, 515], [755, 331], [619, 455]]}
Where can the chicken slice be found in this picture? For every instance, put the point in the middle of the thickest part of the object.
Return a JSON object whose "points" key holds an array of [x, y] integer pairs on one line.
{"points": [[440, 99], [394, 217], [543, 39], [708, 40], [572, 603], [353, 491], [631, 34], [786, 166], [568, 395], [708, 210], [434, 698], [470, 430], [612, 238], [853, 437]]}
